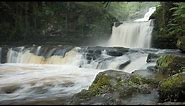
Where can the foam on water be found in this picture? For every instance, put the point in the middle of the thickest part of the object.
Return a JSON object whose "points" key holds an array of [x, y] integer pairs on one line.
{"points": [[43, 81]]}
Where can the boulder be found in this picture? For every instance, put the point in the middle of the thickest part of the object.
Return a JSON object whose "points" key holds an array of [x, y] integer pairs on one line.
{"points": [[113, 88], [171, 64], [124, 64], [173, 88], [152, 57], [114, 53]]}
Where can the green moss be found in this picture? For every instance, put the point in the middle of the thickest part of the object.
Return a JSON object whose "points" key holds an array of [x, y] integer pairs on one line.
{"points": [[172, 82], [172, 88], [136, 79], [171, 64], [164, 61], [103, 80], [100, 85]]}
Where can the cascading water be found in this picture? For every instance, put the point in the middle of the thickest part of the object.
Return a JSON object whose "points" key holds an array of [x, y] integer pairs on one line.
{"points": [[48, 72], [34, 73], [135, 34]]}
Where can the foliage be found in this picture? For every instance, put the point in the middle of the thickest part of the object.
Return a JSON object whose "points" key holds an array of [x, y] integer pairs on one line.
{"points": [[43, 21], [169, 24]]}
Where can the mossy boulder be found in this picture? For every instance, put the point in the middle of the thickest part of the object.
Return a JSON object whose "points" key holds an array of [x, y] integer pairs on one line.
{"points": [[181, 43], [118, 85], [171, 64], [173, 88]]}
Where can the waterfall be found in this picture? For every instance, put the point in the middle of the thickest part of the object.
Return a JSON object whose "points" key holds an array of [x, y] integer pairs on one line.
{"points": [[50, 72], [37, 55], [135, 34]]}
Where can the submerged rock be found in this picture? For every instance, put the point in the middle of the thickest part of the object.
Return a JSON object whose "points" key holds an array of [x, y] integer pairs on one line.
{"points": [[113, 88], [173, 88], [10, 89]]}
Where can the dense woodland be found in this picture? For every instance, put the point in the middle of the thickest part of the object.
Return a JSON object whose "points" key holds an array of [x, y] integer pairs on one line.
{"points": [[56, 22], [78, 22]]}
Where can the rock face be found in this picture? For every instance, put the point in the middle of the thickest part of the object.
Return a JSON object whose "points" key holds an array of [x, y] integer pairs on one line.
{"points": [[181, 43], [113, 88], [173, 88]]}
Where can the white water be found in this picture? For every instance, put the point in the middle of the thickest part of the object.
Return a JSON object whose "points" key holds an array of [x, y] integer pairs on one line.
{"points": [[147, 15], [43, 81], [135, 34], [32, 75], [27, 75]]}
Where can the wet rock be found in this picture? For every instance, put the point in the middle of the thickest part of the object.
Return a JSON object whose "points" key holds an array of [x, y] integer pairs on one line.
{"points": [[152, 68], [142, 99], [143, 73], [4, 52], [171, 64], [93, 53], [48, 51], [152, 57], [124, 64], [173, 88], [9, 89], [118, 85], [39, 90], [121, 49], [114, 53], [116, 24], [181, 43], [153, 75]]}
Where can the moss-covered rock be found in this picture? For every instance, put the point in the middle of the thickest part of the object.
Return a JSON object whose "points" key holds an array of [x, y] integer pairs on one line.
{"points": [[120, 85], [181, 43], [171, 64], [173, 88]]}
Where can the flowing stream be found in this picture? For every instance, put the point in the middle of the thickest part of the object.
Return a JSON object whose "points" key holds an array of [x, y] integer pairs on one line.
{"points": [[32, 73], [36, 73]]}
